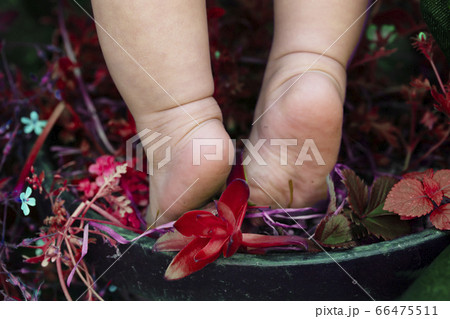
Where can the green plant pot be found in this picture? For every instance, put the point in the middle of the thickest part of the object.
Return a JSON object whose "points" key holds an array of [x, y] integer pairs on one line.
{"points": [[381, 271]]}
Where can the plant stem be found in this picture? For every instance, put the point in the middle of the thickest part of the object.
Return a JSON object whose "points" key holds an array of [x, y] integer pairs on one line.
{"points": [[437, 75], [92, 290], [105, 214], [3, 229], [433, 148], [138, 231], [61, 277], [78, 75]]}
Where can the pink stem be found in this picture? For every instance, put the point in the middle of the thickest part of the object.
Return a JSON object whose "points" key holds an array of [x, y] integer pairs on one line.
{"points": [[37, 146], [437, 75], [105, 214], [61, 279]]}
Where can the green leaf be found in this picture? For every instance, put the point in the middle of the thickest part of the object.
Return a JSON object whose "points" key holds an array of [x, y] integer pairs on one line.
{"points": [[386, 29], [357, 192], [380, 188], [371, 32], [384, 224], [334, 231]]}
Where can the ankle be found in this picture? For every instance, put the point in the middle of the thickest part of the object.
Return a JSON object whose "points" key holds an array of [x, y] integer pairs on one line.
{"points": [[294, 64]]}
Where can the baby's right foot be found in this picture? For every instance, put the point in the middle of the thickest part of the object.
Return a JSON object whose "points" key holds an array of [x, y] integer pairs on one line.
{"points": [[294, 107], [182, 185]]}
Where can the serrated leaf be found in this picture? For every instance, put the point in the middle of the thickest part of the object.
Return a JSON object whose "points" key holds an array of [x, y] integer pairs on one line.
{"points": [[380, 188], [357, 192], [359, 231], [333, 231], [440, 217], [385, 224], [443, 178], [433, 190], [408, 198]]}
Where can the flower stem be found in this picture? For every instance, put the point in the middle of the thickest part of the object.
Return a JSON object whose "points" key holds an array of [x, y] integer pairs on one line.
{"points": [[91, 290], [138, 231], [441, 84], [78, 76], [105, 214], [61, 278], [433, 148]]}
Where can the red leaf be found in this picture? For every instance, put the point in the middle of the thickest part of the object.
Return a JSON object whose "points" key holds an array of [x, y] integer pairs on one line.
{"points": [[357, 192], [264, 241], [215, 12], [440, 217], [443, 101], [443, 178], [334, 231], [408, 198], [183, 264], [420, 175], [433, 190], [7, 18]]}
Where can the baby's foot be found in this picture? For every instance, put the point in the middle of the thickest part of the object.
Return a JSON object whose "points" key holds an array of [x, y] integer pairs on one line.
{"points": [[181, 184], [310, 109]]}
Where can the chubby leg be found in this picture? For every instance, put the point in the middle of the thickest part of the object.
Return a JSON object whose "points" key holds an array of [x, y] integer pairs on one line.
{"points": [[302, 97], [165, 78]]}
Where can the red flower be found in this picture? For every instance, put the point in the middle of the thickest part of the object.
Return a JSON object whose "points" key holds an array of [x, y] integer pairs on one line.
{"points": [[202, 235], [87, 187], [104, 166]]}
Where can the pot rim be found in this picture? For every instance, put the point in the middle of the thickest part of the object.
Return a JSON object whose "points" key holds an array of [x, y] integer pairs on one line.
{"points": [[277, 259]]}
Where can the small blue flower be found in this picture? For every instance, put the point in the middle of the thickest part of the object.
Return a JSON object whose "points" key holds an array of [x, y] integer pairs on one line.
{"points": [[33, 123], [112, 288], [39, 251], [27, 200]]}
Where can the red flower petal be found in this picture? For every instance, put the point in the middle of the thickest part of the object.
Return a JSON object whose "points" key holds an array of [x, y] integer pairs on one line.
{"points": [[173, 241], [184, 264], [440, 217], [198, 223], [227, 215], [235, 197], [264, 241], [443, 178], [211, 249], [34, 260], [408, 198], [433, 190], [233, 244]]}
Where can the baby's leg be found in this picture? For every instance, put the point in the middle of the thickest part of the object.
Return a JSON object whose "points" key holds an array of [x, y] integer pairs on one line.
{"points": [[169, 41], [305, 31]]}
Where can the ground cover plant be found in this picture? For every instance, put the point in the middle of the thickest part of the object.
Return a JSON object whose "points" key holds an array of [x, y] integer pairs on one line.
{"points": [[65, 183]]}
